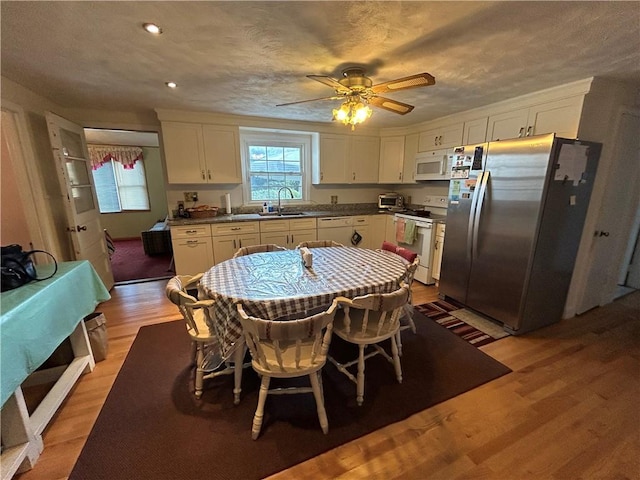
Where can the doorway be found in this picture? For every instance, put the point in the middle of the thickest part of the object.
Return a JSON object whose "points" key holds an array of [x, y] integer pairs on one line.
{"points": [[131, 262]]}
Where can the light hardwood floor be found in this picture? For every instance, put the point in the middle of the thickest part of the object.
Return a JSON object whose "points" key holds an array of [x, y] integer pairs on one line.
{"points": [[569, 410]]}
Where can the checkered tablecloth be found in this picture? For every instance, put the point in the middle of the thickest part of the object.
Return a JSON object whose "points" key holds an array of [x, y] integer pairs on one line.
{"points": [[274, 285]]}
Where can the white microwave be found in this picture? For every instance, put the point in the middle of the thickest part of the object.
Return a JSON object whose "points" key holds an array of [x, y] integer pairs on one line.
{"points": [[433, 165]]}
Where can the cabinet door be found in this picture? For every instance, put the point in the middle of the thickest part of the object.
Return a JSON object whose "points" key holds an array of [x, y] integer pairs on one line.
{"points": [[437, 252], [441, 137], [390, 229], [298, 236], [365, 159], [279, 238], [192, 255], [409, 164], [475, 131], [183, 152], [377, 224], [561, 118], [224, 247], [508, 125], [334, 159], [222, 154], [391, 159], [248, 239], [365, 233]]}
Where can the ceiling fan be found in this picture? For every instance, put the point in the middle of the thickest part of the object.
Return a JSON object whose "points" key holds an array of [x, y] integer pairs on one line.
{"points": [[356, 87]]}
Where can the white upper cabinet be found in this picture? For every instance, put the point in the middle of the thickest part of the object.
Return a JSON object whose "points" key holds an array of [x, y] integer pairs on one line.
{"points": [[365, 159], [183, 152], [475, 131], [222, 154], [410, 151], [347, 159], [561, 117], [334, 159], [441, 137], [391, 159], [197, 153]]}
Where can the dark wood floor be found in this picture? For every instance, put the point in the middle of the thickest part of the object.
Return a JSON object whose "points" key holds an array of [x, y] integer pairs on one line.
{"points": [[569, 410]]}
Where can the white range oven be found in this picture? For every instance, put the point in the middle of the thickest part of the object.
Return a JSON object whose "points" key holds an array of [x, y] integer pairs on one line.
{"points": [[423, 243]]}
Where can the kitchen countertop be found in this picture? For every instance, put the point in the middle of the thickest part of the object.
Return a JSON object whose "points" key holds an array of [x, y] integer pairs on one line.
{"points": [[252, 217]]}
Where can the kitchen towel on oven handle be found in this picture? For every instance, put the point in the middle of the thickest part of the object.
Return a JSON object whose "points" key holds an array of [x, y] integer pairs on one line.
{"points": [[400, 227], [409, 232]]}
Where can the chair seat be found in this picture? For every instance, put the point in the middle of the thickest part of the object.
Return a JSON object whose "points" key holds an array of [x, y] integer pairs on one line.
{"points": [[356, 335]]}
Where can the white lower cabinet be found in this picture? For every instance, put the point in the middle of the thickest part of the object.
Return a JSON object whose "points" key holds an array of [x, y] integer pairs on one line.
{"points": [[437, 251], [192, 249], [390, 229], [361, 225], [288, 233], [229, 237], [377, 226]]}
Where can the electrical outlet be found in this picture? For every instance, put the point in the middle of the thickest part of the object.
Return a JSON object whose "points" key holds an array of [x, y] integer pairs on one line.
{"points": [[334, 199], [190, 196]]}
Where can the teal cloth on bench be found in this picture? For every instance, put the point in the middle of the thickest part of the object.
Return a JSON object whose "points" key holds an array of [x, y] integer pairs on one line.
{"points": [[38, 316]]}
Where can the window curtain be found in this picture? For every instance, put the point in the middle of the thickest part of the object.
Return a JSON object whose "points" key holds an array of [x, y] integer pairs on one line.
{"points": [[101, 154]]}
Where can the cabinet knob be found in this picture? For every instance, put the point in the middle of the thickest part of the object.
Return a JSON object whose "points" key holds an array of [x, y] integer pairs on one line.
{"points": [[202, 173], [209, 174], [354, 175], [529, 130], [521, 132], [400, 176]]}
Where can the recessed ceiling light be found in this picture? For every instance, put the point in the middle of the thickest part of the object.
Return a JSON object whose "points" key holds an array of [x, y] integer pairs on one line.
{"points": [[171, 84], [152, 28]]}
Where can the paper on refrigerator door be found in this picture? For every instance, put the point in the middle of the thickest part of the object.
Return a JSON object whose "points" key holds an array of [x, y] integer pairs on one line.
{"points": [[572, 163]]}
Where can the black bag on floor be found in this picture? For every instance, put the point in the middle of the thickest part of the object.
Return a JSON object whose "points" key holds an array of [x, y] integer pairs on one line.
{"points": [[18, 268]]}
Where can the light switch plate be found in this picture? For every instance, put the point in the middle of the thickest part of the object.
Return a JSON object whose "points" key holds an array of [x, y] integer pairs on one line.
{"points": [[190, 196]]}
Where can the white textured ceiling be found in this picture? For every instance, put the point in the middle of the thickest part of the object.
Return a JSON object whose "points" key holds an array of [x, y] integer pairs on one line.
{"points": [[246, 57]]}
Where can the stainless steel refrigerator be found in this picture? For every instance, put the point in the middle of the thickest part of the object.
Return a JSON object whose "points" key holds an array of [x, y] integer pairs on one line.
{"points": [[514, 222]]}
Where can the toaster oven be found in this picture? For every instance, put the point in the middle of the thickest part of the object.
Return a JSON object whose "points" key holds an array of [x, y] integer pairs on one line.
{"points": [[389, 201]]}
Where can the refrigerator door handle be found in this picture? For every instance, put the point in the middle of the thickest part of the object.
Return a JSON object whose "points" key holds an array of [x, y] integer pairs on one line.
{"points": [[472, 215], [478, 212]]}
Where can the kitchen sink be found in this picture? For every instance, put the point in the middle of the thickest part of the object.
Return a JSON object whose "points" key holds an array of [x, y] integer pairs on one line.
{"points": [[282, 214]]}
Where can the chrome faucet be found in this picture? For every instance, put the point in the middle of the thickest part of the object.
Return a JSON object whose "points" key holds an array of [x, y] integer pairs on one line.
{"points": [[279, 205]]}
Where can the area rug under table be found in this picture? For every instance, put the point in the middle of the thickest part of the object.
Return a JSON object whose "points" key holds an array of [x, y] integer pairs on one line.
{"points": [[151, 426]]}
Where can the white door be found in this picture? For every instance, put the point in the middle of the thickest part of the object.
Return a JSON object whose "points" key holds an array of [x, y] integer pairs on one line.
{"points": [[74, 174], [616, 213]]}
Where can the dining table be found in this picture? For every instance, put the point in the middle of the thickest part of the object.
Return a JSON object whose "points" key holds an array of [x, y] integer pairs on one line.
{"points": [[278, 286]]}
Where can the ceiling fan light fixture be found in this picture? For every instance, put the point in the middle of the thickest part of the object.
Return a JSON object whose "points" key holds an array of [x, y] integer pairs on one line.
{"points": [[352, 112]]}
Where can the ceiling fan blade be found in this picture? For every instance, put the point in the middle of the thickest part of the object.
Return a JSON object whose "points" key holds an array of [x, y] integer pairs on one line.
{"points": [[391, 105], [312, 100], [330, 82], [414, 81]]}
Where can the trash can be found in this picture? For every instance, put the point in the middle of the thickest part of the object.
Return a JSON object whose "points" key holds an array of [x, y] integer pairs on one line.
{"points": [[96, 325]]}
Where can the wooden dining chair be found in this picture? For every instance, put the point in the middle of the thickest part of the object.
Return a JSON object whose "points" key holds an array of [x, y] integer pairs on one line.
{"points": [[411, 268], [265, 247], [287, 349], [367, 321], [205, 346], [319, 244]]}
